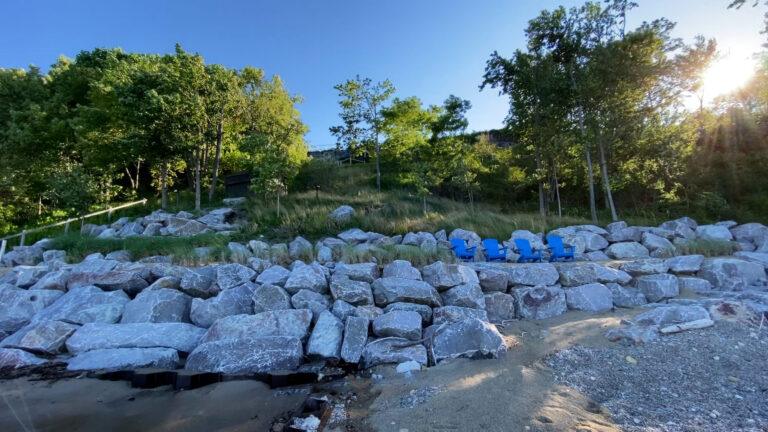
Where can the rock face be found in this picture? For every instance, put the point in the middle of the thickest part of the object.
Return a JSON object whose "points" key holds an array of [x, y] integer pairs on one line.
{"points": [[44, 337], [658, 287], [466, 295], [354, 292], [627, 250], [402, 324], [540, 302], [645, 266], [470, 338], [274, 275], [355, 338], [125, 359], [391, 289], [686, 264], [714, 232], [86, 304], [270, 297], [423, 310], [232, 275], [594, 297], [626, 297], [327, 336], [364, 272], [233, 301], [533, 274], [156, 306], [16, 358], [248, 355], [18, 307], [447, 314], [393, 350], [179, 336], [731, 273], [443, 276], [401, 269], [493, 280], [293, 323], [500, 307], [586, 273], [309, 277]]}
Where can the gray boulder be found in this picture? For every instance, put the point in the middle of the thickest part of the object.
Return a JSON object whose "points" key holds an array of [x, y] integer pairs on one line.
{"points": [[596, 256], [576, 274], [658, 244], [627, 250], [401, 269], [324, 254], [195, 284], [750, 232], [687, 264], [55, 280], [540, 302], [470, 237], [306, 277], [694, 284], [626, 297], [398, 323], [274, 275], [23, 255], [234, 301], [714, 232], [624, 234], [365, 272], [443, 276], [423, 310], [42, 337], [157, 305], [125, 359], [179, 336], [593, 297], [306, 299], [492, 280], [86, 304], [532, 274], [393, 350], [232, 275], [500, 307], [757, 257], [16, 358], [732, 273], [18, 306], [344, 310], [448, 314], [355, 338], [293, 323], [26, 276], [391, 290], [633, 334], [533, 239], [326, 338], [354, 292], [300, 248], [354, 236], [342, 213], [466, 295], [658, 287], [248, 355], [667, 315], [471, 338], [270, 298], [645, 266]]}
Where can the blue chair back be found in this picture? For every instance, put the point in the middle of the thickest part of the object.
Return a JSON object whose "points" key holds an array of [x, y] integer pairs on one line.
{"points": [[492, 249], [555, 242], [523, 246], [459, 245]]}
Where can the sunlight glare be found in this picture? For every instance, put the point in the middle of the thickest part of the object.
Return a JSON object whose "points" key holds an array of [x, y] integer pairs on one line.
{"points": [[726, 74]]}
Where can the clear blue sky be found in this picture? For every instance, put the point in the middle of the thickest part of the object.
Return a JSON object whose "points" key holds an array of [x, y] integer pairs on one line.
{"points": [[427, 48]]}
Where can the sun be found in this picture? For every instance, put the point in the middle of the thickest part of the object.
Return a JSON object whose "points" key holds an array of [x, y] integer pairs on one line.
{"points": [[727, 73]]}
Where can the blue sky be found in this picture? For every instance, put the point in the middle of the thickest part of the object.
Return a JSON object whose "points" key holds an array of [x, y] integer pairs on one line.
{"points": [[427, 48]]}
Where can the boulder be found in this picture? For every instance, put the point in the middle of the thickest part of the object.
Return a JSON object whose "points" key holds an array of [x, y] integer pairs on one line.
{"points": [[131, 229], [687, 264], [275, 275], [195, 283], [300, 248], [658, 287], [393, 350], [354, 236], [179, 336], [324, 254], [626, 297], [42, 337], [293, 323], [232, 275], [326, 338], [26, 276], [694, 284], [259, 248], [750, 232], [306, 277], [444, 276], [576, 274], [398, 323], [732, 273], [471, 338], [466, 295], [596, 256], [342, 214], [655, 243], [470, 237], [423, 310], [54, 255], [624, 234], [533, 239], [540, 302], [23, 255], [401, 269], [364, 272], [668, 315], [532, 274], [269, 298], [492, 280], [592, 241], [86, 304], [238, 252], [234, 301], [18, 306], [355, 338], [593, 297], [306, 299], [685, 220], [152, 229], [248, 355], [457, 313], [156, 306], [351, 291], [392, 289], [633, 334], [16, 358], [714, 232], [108, 233], [627, 250], [757, 257], [369, 312], [645, 266], [499, 307], [344, 310]]}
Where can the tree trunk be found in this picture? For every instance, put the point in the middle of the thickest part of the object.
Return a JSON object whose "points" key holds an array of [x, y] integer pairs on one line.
{"points": [[197, 180], [471, 201], [377, 149], [557, 192], [591, 180], [164, 186], [138, 173], [278, 206], [542, 209], [606, 182], [130, 178], [424, 203], [216, 161]]}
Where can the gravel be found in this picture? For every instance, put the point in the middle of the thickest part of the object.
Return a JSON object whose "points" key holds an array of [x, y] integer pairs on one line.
{"points": [[714, 379]]}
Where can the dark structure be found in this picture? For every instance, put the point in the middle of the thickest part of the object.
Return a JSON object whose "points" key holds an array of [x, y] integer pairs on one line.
{"points": [[237, 185]]}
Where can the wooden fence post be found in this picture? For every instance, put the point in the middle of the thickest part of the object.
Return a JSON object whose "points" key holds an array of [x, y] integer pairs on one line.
{"points": [[66, 228], [23, 237], [3, 244]]}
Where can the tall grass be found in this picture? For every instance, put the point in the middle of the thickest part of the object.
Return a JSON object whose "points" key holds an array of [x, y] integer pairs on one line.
{"points": [[708, 248]]}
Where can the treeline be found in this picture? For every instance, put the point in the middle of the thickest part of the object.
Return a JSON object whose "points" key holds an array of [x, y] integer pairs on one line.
{"points": [[110, 125], [596, 121]]}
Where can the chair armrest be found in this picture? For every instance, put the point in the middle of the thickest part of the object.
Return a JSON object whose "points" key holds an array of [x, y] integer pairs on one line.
{"points": [[505, 248], [471, 249]]}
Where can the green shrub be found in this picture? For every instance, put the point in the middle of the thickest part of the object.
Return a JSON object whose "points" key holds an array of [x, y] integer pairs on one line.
{"points": [[709, 248]]}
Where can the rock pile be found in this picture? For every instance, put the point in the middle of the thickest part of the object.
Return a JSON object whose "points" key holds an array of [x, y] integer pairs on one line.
{"points": [[160, 223]]}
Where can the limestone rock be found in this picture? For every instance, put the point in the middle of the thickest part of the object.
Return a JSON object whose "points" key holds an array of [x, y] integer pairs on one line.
{"points": [[627, 250], [354, 292], [269, 298], [466, 295], [470, 338], [391, 289], [86, 304], [398, 323], [293, 323], [326, 338], [16, 358], [687, 264], [540, 302], [593, 297], [393, 350], [355, 338], [423, 310], [500, 307], [401, 269], [157, 305], [232, 275], [658, 287], [443, 276], [275, 275], [626, 297], [234, 301], [447, 314], [645, 266]]}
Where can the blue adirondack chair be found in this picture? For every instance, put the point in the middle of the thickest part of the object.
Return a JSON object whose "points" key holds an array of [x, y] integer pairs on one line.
{"points": [[494, 252], [461, 250], [527, 253], [558, 249]]}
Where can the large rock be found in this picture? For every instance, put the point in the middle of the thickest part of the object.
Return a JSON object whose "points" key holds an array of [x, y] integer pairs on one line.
{"points": [[179, 336], [248, 355], [234, 301], [354, 236], [620, 232], [593, 297], [354, 292], [401, 269], [16, 358], [499, 307], [667, 315], [86, 304], [457, 313], [270, 298], [592, 241], [658, 287], [158, 305], [658, 245], [306, 277], [540, 302], [393, 350], [398, 323], [26, 276], [467, 295], [306, 299], [293, 322], [732, 273], [117, 359], [342, 214], [687, 264], [533, 239], [326, 338], [300, 249], [43, 337], [694, 284], [355, 338], [232, 275], [444, 276], [757, 257], [23, 255], [18, 306], [55, 280], [576, 274], [195, 283], [492, 280], [627, 250], [274, 275], [645, 266], [626, 297], [391, 289], [364, 272], [714, 232], [423, 310], [470, 338], [750, 232], [532, 274], [470, 237]]}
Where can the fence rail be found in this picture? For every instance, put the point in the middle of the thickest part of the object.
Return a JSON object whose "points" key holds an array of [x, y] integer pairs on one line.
{"points": [[65, 223]]}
